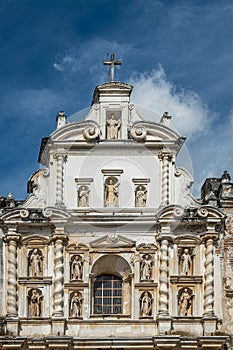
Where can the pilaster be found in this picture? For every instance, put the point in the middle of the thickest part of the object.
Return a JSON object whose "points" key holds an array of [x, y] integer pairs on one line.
{"points": [[61, 158], [58, 320], [12, 239], [164, 318]]}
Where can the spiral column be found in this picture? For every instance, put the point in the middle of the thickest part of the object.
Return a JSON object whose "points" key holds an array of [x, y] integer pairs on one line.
{"points": [[58, 281], [163, 279], [209, 278], [61, 158], [165, 158], [12, 298]]}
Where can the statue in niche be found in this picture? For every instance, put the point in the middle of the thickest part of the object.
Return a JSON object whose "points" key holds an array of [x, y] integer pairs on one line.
{"points": [[146, 304], [140, 196], [185, 262], [113, 127], [77, 268], [35, 262], [76, 305], [184, 301], [83, 196], [34, 300], [111, 193], [146, 267]]}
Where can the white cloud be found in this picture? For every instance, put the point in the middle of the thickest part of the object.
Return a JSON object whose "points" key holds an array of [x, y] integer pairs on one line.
{"points": [[209, 135], [155, 91]]}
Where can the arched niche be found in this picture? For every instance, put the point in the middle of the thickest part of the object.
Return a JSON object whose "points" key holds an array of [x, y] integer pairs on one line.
{"points": [[114, 265]]}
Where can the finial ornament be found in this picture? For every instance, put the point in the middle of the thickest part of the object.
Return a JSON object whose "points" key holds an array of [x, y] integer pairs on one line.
{"points": [[112, 63]]}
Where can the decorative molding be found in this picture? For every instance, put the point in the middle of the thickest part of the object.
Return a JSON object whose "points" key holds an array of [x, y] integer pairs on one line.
{"points": [[112, 171]]}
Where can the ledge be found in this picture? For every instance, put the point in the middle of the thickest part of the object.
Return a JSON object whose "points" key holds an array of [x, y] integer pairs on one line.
{"points": [[186, 279], [35, 280]]}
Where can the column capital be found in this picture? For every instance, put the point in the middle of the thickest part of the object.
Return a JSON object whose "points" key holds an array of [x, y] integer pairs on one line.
{"points": [[12, 238], [59, 237], [164, 155], [60, 155]]}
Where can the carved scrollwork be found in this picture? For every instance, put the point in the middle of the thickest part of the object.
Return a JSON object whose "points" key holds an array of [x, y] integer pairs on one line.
{"points": [[91, 133], [24, 213], [47, 212], [178, 212], [138, 132], [45, 172], [202, 212]]}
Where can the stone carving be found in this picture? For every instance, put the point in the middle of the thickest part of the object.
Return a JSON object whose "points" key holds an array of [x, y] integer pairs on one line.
{"points": [[58, 292], [163, 278], [146, 304], [185, 261], [140, 196], [76, 301], [113, 127], [12, 309], [138, 132], [184, 301], [76, 267], [91, 133], [83, 196], [35, 262], [34, 302], [111, 192], [146, 267]]}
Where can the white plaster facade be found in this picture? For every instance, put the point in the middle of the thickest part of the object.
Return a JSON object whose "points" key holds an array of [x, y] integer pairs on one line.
{"points": [[80, 239]]}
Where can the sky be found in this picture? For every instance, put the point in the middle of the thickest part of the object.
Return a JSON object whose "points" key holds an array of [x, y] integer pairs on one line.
{"points": [[177, 54]]}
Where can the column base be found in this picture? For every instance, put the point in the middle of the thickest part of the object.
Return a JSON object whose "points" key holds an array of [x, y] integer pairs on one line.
{"points": [[12, 326], [209, 325], [164, 325], [58, 326]]}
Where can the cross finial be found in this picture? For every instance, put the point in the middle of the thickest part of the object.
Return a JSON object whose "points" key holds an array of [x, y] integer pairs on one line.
{"points": [[112, 63]]}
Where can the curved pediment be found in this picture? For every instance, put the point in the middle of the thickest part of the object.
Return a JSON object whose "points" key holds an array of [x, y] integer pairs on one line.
{"points": [[151, 131], [87, 130]]}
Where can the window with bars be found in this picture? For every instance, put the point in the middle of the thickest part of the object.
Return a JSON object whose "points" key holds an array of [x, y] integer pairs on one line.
{"points": [[108, 295]]}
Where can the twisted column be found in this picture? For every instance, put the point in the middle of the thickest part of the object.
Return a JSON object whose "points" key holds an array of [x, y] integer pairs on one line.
{"points": [[165, 158], [209, 278], [163, 279], [58, 281], [61, 158], [12, 307]]}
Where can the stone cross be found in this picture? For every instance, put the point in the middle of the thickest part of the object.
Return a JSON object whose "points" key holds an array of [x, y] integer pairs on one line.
{"points": [[112, 62]]}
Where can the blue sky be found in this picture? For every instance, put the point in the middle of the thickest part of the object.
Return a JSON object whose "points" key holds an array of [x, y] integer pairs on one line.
{"points": [[177, 54]]}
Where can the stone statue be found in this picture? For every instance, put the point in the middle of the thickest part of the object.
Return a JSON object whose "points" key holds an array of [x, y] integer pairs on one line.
{"points": [[76, 305], [111, 194], [146, 267], [76, 268], [35, 263], [140, 196], [113, 127], [83, 196], [185, 262], [35, 303], [185, 300], [146, 305]]}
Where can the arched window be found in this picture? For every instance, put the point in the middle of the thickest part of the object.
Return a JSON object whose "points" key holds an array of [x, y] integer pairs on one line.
{"points": [[108, 295]]}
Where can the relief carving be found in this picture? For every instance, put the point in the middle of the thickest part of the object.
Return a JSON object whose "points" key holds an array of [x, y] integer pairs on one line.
{"points": [[35, 265], [140, 196], [111, 192], [113, 127], [184, 301], [146, 304], [146, 268], [34, 303], [76, 301], [76, 268], [83, 196], [185, 261]]}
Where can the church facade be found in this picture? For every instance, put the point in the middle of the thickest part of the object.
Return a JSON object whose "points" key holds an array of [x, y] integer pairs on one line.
{"points": [[110, 250]]}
